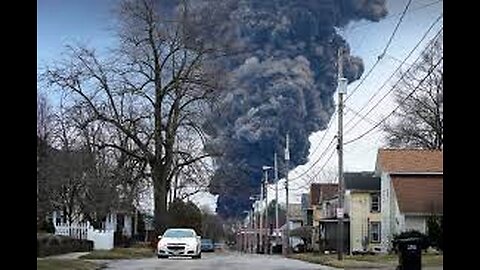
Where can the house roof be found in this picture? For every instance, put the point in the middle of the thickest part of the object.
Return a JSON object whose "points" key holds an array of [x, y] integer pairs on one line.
{"points": [[419, 194], [409, 160], [361, 181], [322, 191]]}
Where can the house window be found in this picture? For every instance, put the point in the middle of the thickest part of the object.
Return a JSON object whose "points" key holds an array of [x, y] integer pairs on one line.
{"points": [[375, 230], [375, 205]]}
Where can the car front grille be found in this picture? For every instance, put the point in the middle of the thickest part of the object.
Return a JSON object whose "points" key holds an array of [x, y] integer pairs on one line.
{"points": [[176, 247]]}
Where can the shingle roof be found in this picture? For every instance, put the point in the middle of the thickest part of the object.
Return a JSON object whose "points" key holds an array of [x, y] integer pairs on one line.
{"points": [[322, 191], [410, 160], [361, 181], [419, 193]]}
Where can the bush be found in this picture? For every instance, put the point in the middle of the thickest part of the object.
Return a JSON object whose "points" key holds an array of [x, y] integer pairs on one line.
{"points": [[435, 231], [49, 244], [46, 226], [424, 241]]}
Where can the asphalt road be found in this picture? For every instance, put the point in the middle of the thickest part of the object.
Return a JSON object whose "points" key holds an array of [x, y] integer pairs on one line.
{"points": [[218, 261]]}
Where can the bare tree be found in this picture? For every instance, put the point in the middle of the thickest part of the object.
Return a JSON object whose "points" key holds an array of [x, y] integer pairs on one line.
{"points": [[44, 117], [419, 121], [152, 88]]}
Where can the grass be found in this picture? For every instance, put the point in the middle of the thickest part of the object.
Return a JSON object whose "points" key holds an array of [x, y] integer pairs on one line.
{"points": [[364, 261], [119, 253], [59, 264], [331, 260]]}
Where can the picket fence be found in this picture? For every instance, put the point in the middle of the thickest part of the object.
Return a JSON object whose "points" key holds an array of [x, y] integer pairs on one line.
{"points": [[102, 239]]}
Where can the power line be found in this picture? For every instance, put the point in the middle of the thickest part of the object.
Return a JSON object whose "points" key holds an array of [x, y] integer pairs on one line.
{"points": [[313, 165], [367, 23], [392, 75], [361, 82], [316, 148], [396, 29], [380, 57], [324, 134], [363, 117], [315, 175], [391, 113], [363, 79]]}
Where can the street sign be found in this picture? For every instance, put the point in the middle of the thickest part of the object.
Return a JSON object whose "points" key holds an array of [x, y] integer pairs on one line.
{"points": [[339, 212]]}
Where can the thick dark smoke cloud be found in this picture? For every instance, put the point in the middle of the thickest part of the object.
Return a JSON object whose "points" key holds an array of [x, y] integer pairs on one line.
{"points": [[282, 75]]}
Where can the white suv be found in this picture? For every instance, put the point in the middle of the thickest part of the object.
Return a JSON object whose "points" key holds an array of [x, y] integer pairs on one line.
{"points": [[179, 242]]}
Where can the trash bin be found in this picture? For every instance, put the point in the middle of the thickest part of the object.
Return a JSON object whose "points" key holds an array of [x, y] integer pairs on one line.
{"points": [[410, 254]]}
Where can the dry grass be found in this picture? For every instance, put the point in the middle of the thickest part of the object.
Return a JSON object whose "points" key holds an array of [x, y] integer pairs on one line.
{"points": [[364, 261], [119, 253], [60, 264]]}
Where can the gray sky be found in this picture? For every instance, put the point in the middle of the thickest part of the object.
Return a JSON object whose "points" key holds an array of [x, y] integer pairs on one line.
{"points": [[61, 22]]}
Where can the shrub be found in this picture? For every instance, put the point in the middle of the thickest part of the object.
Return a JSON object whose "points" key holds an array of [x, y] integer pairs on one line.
{"points": [[435, 231], [46, 226], [48, 244]]}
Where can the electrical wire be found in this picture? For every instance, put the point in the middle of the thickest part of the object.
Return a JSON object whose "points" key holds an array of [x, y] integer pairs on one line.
{"points": [[391, 113]]}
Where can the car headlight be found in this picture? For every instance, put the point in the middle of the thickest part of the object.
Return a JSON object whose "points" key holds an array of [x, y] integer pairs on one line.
{"points": [[162, 244]]}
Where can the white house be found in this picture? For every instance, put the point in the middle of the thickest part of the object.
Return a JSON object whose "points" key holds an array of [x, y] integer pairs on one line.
{"points": [[411, 190]]}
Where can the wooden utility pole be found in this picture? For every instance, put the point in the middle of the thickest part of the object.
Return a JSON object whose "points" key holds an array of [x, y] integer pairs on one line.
{"points": [[342, 87]]}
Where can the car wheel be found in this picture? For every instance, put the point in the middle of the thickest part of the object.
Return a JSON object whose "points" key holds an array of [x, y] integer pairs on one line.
{"points": [[199, 256]]}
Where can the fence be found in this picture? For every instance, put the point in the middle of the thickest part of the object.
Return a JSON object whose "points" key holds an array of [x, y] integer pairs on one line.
{"points": [[77, 231], [102, 239]]}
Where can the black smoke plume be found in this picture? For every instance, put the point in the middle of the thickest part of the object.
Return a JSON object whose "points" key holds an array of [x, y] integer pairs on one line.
{"points": [[282, 75]]}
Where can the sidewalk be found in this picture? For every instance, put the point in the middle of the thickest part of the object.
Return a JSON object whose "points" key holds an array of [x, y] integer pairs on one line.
{"points": [[66, 256]]}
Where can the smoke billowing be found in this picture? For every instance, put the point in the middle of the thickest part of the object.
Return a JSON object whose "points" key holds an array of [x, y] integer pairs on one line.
{"points": [[282, 80]]}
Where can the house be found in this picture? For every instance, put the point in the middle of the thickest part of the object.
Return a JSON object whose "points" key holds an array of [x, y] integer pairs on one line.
{"points": [[362, 203], [318, 193], [411, 189], [324, 202]]}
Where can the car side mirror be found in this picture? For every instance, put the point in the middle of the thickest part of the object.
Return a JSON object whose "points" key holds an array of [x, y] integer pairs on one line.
{"points": [[199, 237], [159, 237]]}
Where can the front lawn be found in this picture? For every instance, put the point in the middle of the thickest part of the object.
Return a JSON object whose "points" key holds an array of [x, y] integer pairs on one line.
{"points": [[65, 264], [364, 261], [119, 253]]}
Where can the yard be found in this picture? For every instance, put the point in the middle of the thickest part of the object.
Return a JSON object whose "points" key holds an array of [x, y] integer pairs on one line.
{"points": [[64, 264], [119, 253], [364, 261]]}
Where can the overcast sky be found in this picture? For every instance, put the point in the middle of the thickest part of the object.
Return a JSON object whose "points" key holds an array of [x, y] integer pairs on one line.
{"points": [[60, 22]]}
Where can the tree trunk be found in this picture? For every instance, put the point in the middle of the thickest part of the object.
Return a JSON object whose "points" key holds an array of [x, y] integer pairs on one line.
{"points": [[160, 199]]}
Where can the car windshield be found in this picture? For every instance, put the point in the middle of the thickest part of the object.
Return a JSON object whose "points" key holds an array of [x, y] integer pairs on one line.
{"points": [[179, 233], [206, 241]]}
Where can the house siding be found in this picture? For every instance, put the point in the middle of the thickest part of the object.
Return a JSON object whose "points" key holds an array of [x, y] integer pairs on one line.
{"points": [[385, 190], [417, 223], [360, 217]]}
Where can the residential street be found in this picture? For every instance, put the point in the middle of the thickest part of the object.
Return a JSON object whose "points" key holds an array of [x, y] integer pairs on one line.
{"points": [[218, 261]]}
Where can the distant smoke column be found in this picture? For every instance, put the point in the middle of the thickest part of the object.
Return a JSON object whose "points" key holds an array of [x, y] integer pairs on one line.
{"points": [[282, 81]]}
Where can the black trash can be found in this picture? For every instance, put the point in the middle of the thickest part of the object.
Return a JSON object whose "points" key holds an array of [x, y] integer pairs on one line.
{"points": [[410, 254]]}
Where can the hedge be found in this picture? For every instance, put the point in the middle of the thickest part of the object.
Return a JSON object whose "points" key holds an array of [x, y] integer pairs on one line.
{"points": [[49, 244]]}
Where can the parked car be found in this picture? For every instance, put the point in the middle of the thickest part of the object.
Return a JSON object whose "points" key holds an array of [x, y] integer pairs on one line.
{"points": [[179, 242], [207, 245]]}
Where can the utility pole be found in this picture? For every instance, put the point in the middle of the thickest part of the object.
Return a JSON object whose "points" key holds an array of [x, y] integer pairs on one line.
{"points": [[342, 89], [261, 218], [266, 210], [255, 243], [286, 246], [276, 189]]}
